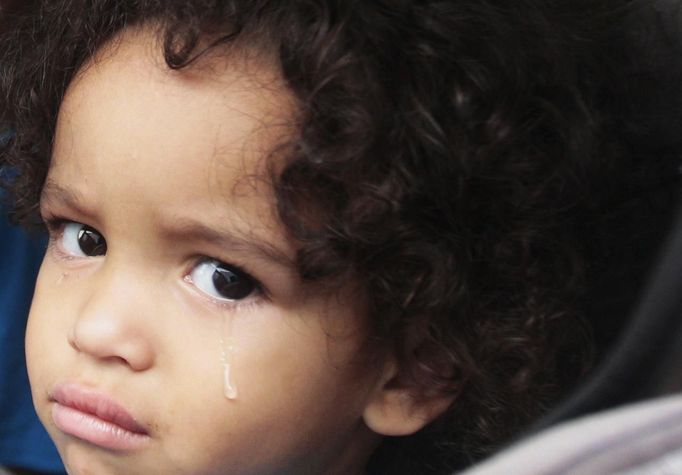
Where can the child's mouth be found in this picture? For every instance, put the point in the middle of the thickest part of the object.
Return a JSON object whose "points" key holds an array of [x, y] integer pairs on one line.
{"points": [[94, 417]]}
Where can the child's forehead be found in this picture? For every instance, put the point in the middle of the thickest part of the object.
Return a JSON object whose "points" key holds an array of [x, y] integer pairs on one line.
{"points": [[231, 103], [234, 84], [180, 142]]}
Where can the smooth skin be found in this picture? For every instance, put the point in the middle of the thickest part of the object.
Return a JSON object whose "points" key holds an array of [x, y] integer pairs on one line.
{"points": [[162, 165]]}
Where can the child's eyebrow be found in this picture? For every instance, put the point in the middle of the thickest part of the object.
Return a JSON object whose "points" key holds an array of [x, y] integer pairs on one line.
{"points": [[53, 192], [189, 229]]}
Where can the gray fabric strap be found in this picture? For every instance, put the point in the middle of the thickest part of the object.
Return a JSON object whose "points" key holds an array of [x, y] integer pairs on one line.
{"points": [[643, 438]]}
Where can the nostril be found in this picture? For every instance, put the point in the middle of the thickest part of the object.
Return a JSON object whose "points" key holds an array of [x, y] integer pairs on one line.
{"points": [[115, 360]]}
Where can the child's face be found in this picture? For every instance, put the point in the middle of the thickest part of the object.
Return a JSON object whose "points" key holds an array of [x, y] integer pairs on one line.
{"points": [[143, 285]]}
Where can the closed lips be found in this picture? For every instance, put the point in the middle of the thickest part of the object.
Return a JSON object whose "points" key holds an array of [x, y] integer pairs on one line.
{"points": [[92, 416]]}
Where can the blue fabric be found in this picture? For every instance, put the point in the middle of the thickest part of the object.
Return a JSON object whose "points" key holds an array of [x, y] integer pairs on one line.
{"points": [[23, 441]]}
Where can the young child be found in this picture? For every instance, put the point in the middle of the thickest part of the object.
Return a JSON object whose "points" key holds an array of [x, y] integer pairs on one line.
{"points": [[302, 237]]}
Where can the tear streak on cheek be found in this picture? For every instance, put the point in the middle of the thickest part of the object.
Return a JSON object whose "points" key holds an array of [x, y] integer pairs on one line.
{"points": [[228, 349]]}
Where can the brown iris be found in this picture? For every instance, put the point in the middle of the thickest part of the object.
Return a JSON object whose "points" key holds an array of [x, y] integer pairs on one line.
{"points": [[230, 283], [91, 242]]}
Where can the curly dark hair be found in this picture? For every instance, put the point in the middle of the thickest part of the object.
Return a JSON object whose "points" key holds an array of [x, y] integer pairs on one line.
{"points": [[450, 157]]}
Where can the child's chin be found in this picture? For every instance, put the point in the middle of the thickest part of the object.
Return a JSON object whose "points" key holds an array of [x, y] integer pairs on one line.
{"points": [[82, 458]]}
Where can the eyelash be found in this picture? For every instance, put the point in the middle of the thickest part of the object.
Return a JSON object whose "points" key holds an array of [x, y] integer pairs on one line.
{"points": [[258, 297], [53, 224], [55, 229]]}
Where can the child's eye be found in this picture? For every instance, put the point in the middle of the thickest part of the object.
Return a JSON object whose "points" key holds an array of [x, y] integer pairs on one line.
{"points": [[222, 281], [81, 240]]}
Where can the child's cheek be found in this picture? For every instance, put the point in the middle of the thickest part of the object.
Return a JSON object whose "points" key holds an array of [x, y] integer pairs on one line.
{"points": [[41, 335], [46, 332]]}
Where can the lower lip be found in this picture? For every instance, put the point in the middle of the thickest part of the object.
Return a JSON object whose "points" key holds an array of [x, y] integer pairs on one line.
{"points": [[92, 429]]}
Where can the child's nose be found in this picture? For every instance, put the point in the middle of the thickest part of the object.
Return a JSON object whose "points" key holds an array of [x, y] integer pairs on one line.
{"points": [[111, 325]]}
